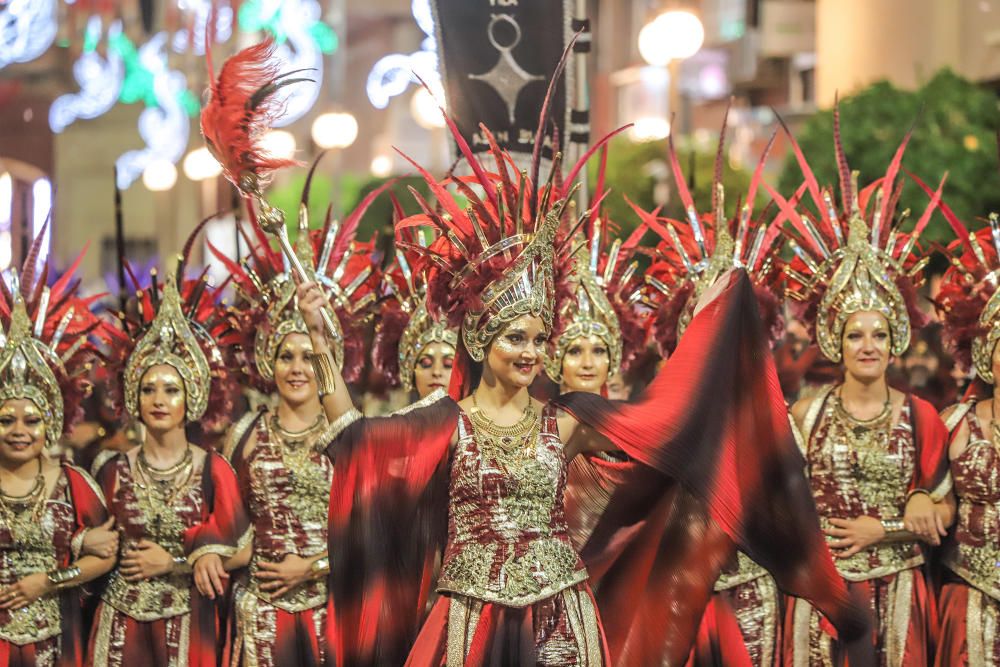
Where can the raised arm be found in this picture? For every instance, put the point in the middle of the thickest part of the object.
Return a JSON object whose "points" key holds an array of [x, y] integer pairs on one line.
{"points": [[332, 388]]}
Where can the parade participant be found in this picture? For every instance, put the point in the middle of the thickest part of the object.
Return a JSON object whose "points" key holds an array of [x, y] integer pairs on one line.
{"points": [[875, 457], [177, 505], [742, 624], [278, 452], [970, 595], [511, 585], [412, 349], [47, 509]]}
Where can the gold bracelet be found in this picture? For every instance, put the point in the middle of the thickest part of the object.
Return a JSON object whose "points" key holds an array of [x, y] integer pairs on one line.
{"points": [[892, 526], [917, 491], [59, 578], [320, 567], [325, 374], [180, 565]]}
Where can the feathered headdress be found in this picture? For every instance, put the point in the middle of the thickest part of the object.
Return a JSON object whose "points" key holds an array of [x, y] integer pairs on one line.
{"points": [[855, 259], [691, 255], [180, 323], [405, 326], [968, 300], [45, 342], [267, 311], [602, 292]]}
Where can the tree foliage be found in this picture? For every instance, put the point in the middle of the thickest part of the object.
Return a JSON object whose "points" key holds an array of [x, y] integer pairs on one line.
{"points": [[954, 129]]}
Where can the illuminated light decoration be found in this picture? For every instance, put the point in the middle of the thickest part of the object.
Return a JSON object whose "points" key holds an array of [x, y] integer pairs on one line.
{"points": [[27, 29], [201, 13], [334, 130], [100, 79], [302, 39], [279, 144], [426, 109], [199, 165], [6, 209], [673, 35], [381, 166], [159, 175], [394, 73], [41, 209], [165, 126], [650, 128]]}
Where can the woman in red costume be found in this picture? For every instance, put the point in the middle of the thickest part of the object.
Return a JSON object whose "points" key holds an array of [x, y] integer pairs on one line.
{"points": [[482, 478], [970, 596], [876, 458], [177, 506], [279, 452], [742, 623], [46, 508]]}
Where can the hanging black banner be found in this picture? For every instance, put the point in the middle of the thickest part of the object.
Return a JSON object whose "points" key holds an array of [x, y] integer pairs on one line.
{"points": [[496, 58]]}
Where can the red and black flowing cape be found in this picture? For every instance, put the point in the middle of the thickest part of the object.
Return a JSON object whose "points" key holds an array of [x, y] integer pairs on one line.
{"points": [[714, 467]]}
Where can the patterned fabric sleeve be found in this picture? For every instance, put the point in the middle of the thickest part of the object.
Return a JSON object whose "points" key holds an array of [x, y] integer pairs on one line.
{"points": [[714, 466], [225, 523]]}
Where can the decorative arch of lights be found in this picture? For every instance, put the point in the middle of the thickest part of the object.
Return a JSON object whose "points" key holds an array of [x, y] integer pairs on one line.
{"points": [[111, 69], [394, 73]]}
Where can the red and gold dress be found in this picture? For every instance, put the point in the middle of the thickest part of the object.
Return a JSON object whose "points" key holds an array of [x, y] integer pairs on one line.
{"points": [[50, 631], [970, 596], [868, 470], [285, 484], [512, 586], [514, 589], [165, 620], [742, 623]]}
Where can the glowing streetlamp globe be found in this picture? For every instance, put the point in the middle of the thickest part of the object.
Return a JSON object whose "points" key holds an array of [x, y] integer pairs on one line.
{"points": [[673, 35], [199, 165], [159, 175], [335, 130]]}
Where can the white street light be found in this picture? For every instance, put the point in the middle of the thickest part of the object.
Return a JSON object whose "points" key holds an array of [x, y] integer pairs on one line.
{"points": [[200, 165], [425, 110], [381, 166], [279, 144], [335, 130], [650, 128], [159, 175], [673, 35]]}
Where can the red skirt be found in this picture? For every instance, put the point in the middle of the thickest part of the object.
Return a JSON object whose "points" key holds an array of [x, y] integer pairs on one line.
{"points": [[741, 627], [969, 633], [267, 636], [36, 654], [118, 640], [905, 624], [561, 630]]}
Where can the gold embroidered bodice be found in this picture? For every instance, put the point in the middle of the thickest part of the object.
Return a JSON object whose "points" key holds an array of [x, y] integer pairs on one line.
{"points": [[286, 485], [508, 540], [857, 473], [34, 541], [973, 552]]}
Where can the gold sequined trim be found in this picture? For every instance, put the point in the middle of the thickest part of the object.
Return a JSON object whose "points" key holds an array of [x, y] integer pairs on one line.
{"points": [[428, 400], [338, 425], [746, 571], [957, 415], [800, 633], [102, 457], [244, 651], [91, 483], [939, 492], [463, 619], [220, 549], [582, 618], [898, 616], [102, 638], [238, 431], [812, 412]]}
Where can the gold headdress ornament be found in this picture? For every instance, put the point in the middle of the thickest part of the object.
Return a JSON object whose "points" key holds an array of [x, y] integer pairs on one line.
{"points": [[172, 339], [331, 257], [873, 269], [45, 352], [420, 330], [693, 254], [590, 311]]}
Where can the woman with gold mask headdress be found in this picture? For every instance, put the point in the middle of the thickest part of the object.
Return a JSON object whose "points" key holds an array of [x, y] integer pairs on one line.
{"points": [[970, 595], [278, 452], [47, 508], [875, 457], [176, 505]]}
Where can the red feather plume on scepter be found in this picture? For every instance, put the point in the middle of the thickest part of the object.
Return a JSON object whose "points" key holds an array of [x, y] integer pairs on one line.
{"points": [[242, 106]]}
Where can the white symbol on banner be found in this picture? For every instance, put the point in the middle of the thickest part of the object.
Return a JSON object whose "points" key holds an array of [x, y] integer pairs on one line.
{"points": [[507, 77]]}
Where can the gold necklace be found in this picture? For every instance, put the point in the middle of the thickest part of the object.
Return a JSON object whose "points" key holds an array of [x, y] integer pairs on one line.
{"points": [[169, 471], [518, 438], [296, 439], [861, 426], [21, 513]]}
